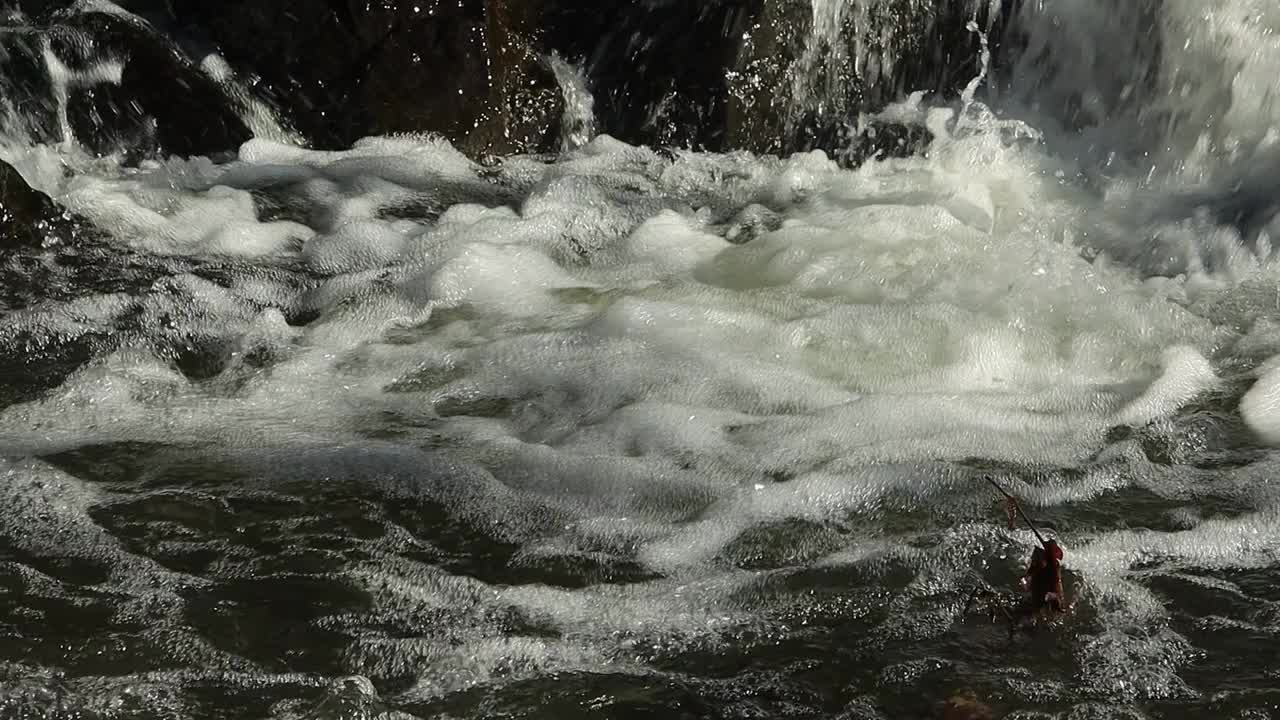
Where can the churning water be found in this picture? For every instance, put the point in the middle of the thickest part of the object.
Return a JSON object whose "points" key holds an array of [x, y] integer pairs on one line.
{"points": [[387, 433]]}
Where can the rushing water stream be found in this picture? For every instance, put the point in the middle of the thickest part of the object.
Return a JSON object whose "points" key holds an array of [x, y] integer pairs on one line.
{"points": [[384, 432]]}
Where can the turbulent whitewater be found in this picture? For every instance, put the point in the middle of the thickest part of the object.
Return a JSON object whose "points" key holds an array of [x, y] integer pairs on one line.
{"points": [[627, 432]]}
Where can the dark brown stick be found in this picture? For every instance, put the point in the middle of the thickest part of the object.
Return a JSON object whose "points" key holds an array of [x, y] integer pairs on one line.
{"points": [[1018, 507]]}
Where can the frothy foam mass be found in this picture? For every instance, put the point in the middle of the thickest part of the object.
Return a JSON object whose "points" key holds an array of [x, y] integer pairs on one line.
{"points": [[727, 396]]}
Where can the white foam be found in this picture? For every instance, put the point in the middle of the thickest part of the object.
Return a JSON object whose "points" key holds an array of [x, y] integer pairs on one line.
{"points": [[510, 279], [353, 246], [1260, 407], [610, 626], [1187, 374], [670, 243], [409, 161], [220, 221]]}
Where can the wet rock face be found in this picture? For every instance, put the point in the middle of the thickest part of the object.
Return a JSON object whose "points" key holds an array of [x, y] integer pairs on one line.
{"points": [[475, 70], [657, 68], [30, 222], [20, 208], [343, 70], [164, 103], [110, 83], [771, 76], [335, 70]]}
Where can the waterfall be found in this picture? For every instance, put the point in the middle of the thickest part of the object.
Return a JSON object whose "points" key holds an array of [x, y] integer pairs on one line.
{"points": [[849, 57], [577, 121]]}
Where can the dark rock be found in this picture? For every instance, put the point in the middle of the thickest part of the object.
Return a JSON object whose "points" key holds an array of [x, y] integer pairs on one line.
{"points": [[120, 85], [164, 104], [18, 202], [473, 71], [656, 67], [27, 216], [335, 71], [713, 74], [467, 70], [524, 101]]}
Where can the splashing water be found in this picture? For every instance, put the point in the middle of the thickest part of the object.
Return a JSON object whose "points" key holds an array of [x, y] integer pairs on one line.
{"points": [[824, 49], [381, 430], [853, 46], [1193, 96], [577, 124]]}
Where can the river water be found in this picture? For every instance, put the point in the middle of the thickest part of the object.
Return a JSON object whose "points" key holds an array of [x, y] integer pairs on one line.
{"points": [[637, 433]]}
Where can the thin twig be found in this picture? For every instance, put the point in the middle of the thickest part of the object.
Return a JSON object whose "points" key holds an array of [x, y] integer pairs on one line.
{"points": [[1017, 506]]}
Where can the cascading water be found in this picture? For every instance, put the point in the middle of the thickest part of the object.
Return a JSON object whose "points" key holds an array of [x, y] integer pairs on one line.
{"points": [[1190, 85], [578, 123], [389, 432], [853, 53], [824, 49]]}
